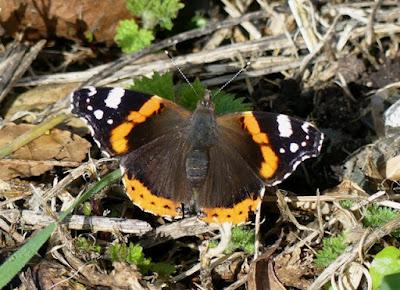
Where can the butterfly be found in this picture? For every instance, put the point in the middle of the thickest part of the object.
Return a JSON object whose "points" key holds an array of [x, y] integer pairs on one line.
{"points": [[176, 162]]}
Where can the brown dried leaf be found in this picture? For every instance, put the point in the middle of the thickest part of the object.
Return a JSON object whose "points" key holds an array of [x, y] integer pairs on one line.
{"points": [[68, 19], [57, 148], [392, 170], [262, 276], [52, 275], [39, 98]]}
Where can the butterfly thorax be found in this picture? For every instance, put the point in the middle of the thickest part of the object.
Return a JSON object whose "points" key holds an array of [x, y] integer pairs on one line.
{"points": [[202, 135]]}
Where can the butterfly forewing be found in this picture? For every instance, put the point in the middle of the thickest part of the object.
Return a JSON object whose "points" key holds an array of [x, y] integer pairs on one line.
{"points": [[123, 120], [272, 144]]}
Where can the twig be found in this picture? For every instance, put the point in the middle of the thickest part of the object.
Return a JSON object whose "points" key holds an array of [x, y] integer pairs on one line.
{"points": [[12, 69], [200, 58], [234, 12], [370, 33], [32, 134], [327, 37], [181, 228], [304, 24], [79, 222]]}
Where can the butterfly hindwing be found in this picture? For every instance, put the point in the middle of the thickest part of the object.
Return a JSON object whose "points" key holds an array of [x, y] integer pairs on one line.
{"points": [[123, 120], [272, 144], [231, 189], [155, 176]]}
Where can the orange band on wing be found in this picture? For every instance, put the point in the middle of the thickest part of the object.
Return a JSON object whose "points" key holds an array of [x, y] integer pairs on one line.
{"points": [[119, 135], [118, 139], [270, 163], [236, 215], [142, 197], [271, 160]]}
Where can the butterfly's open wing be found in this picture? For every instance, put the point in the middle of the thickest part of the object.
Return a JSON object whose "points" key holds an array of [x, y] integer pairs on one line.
{"points": [[254, 148], [272, 144], [115, 114], [231, 189], [155, 176]]}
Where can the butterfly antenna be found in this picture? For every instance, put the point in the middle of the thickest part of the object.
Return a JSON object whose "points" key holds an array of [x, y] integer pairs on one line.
{"points": [[234, 77], [180, 71]]}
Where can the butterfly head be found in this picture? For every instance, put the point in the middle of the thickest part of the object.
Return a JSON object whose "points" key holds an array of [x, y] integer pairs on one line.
{"points": [[206, 103]]}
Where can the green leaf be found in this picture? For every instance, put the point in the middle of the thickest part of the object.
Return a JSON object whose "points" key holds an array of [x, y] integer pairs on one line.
{"points": [[136, 7], [332, 248], [386, 262], [242, 239], [376, 216], [163, 269], [390, 282], [160, 85], [187, 98], [155, 12], [227, 103], [165, 11], [20, 258], [198, 21], [132, 38]]}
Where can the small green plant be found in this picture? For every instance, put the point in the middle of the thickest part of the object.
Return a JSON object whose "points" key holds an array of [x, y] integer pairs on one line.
{"points": [[385, 263], [347, 204], [376, 216], [242, 239], [85, 245], [130, 37], [133, 254], [198, 21], [162, 85], [86, 208], [332, 248]]}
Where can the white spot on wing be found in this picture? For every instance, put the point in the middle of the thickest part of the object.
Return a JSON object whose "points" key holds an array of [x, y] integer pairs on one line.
{"points": [[304, 143], [98, 114], [114, 98], [305, 127], [294, 147], [284, 126], [92, 90], [282, 150], [110, 121], [87, 100], [90, 108]]}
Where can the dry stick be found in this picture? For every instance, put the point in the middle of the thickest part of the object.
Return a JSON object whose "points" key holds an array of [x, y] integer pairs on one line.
{"points": [[32, 134], [78, 222], [234, 12], [329, 34], [304, 25], [20, 64], [202, 57], [370, 37], [351, 252], [186, 227]]}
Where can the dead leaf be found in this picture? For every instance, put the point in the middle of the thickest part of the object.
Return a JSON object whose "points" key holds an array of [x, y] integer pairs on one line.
{"points": [[57, 148], [261, 275], [75, 19], [392, 171], [38, 98], [52, 275]]}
